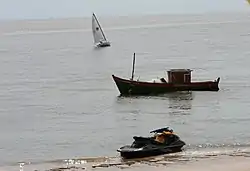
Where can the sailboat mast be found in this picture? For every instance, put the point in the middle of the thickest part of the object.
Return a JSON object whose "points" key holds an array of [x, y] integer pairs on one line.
{"points": [[99, 26], [133, 68]]}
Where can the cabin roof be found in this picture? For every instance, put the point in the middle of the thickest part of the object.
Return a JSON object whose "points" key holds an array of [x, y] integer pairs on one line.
{"points": [[180, 70]]}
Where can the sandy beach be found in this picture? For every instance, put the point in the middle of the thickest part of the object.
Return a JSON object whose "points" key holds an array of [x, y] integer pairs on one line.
{"points": [[212, 164], [216, 164], [229, 163]]}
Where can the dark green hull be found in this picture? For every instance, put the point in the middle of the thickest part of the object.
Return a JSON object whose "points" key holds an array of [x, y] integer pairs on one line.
{"points": [[130, 87]]}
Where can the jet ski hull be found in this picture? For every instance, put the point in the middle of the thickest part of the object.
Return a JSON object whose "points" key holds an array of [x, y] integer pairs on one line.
{"points": [[128, 152], [163, 143]]}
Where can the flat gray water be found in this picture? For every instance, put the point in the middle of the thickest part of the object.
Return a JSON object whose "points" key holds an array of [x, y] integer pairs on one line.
{"points": [[58, 99]]}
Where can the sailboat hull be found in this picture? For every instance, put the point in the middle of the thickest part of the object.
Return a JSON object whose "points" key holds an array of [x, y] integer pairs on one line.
{"points": [[104, 44]]}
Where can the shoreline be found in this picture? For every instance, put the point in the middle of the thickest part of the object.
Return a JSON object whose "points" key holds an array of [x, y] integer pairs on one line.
{"points": [[217, 163]]}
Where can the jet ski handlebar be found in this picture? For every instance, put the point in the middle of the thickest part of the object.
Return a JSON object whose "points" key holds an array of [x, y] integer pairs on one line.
{"points": [[162, 130]]}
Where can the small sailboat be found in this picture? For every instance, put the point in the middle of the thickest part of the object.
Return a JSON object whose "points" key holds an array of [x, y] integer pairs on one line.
{"points": [[98, 34]]}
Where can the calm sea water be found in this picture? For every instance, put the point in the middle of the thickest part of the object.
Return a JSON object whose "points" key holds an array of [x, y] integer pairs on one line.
{"points": [[58, 99]]}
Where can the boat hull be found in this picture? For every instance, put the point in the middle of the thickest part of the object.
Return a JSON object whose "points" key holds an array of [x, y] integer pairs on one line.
{"points": [[130, 154], [104, 44], [131, 87]]}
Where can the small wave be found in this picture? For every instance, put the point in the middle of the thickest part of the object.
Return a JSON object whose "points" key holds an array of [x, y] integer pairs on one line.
{"points": [[213, 146]]}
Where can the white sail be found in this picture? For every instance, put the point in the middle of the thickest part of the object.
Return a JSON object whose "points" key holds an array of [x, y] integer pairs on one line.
{"points": [[97, 30]]}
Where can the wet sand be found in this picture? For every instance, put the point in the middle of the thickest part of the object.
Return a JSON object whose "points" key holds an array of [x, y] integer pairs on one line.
{"points": [[228, 163], [214, 164]]}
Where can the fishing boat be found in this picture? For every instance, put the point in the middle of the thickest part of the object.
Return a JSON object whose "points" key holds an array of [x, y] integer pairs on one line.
{"points": [[178, 80], [98, 34]]}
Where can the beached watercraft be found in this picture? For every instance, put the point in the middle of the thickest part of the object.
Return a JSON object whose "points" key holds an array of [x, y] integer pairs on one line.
{"points": [[178, 80], [164, 141]]}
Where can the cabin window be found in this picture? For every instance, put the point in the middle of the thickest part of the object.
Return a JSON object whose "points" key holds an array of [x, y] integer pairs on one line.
{"points": [[187, 78]]}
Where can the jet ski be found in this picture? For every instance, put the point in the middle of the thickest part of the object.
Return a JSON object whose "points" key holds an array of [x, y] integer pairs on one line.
{"points": [[163, 142]]}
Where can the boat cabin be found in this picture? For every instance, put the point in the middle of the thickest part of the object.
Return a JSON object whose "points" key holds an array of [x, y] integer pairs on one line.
{"points": [[179, 76]]}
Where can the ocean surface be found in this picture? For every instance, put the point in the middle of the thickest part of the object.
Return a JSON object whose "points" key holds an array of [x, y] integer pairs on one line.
{"points": [[58, 100]]}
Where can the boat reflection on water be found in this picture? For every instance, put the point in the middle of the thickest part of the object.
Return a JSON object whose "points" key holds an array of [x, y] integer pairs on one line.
{"points": [[177, 100], [180, 102]]}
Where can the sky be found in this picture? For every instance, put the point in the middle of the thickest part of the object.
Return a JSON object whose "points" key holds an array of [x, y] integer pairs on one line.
{"points": [[43, 9]]}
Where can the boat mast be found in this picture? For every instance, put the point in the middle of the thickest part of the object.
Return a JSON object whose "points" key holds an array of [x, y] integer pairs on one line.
{"points": [[133, 68], [99, 26]]}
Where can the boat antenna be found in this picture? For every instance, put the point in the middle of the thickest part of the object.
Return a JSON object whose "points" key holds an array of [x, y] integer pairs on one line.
{"points": [[133, 69]]}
